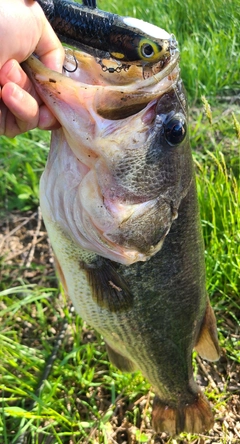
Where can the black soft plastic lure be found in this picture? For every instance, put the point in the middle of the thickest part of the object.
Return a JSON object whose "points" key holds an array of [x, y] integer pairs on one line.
{"points": [[107, 35]]}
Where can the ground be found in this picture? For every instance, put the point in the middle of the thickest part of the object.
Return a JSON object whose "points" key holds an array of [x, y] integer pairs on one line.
{"points": [[27, 257]]}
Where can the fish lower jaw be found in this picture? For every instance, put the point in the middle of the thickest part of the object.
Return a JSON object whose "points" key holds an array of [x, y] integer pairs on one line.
{"points": [[123, 254], [108, 234], [94, 223]]}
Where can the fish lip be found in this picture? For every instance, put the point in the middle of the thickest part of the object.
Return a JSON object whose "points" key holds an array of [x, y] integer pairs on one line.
{"points": [[109, 101], [38, 71], [142, 82], [166, 71]]}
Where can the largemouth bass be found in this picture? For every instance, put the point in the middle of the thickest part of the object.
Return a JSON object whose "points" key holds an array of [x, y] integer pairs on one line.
{"points": [[104, 35], [119, 201]]}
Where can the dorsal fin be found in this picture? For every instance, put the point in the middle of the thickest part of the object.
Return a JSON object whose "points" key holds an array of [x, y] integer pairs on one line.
{"points": [[207, 341]]}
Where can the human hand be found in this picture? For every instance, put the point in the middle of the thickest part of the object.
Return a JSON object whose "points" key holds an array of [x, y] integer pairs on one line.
{"points": [[21, 109], [24, 29]]}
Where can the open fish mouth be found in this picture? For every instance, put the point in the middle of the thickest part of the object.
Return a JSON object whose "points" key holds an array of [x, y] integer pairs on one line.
{"points": [[99, 185], [118, 91], [128, 89]]}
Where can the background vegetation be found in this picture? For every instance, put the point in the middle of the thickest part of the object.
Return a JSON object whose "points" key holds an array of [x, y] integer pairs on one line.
{"points": [[85, 399]]}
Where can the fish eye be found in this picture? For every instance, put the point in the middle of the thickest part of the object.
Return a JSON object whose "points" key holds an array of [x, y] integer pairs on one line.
{"points": [[175, 130]]}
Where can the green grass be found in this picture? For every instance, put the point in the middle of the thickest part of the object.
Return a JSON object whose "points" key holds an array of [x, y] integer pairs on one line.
{"points": [[208, 35], [79, 398], [21, 163], [217, 166], [84, 393]]}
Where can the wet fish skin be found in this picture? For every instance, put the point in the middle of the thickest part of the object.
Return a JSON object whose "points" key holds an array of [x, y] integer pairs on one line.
{"points": [[108, 202], [151, 313]]}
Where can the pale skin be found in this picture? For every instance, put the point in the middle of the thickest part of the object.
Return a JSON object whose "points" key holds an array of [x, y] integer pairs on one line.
{"points": [[24, 30]]}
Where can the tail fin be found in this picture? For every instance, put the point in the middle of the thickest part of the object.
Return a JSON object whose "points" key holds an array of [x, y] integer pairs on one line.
{"points": [[191, 418]]}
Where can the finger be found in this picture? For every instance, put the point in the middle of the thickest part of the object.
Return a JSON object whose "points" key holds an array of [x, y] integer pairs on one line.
{"points": [[22, 106], [11, 126], [8, 125], [12, 72], [50, 50]]}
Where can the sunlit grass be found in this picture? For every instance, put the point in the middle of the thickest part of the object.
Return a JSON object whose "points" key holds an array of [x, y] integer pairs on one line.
{"points": [[208, 36], [69, 402], [83, 392], [79, 398], [217, 166], [22, 160]]}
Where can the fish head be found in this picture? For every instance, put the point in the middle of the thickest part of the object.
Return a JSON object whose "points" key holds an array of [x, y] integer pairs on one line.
{"points": [[121, 163]]}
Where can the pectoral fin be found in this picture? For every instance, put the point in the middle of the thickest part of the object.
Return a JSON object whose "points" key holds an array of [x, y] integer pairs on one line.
{"points": [[207, 342], [109, 289]]}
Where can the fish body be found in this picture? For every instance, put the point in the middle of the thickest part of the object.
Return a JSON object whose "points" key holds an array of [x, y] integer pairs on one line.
{"points": [[119, 201], [106, 35]]}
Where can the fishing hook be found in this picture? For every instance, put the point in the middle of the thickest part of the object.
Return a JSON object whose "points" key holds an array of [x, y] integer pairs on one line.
{"points": [[76, 67]]}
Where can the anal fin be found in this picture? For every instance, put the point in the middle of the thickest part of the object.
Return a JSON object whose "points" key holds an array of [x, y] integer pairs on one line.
{"points": [[207, 341], [121, 362]]}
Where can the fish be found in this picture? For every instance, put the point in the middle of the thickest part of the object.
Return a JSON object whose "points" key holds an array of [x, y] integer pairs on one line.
{"points": [[118, 197], [106, 35]]}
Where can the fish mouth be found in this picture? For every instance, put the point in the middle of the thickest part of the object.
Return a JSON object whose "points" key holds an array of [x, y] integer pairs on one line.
{"points": [[140, 90], [119, 90], [106, 118]]}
